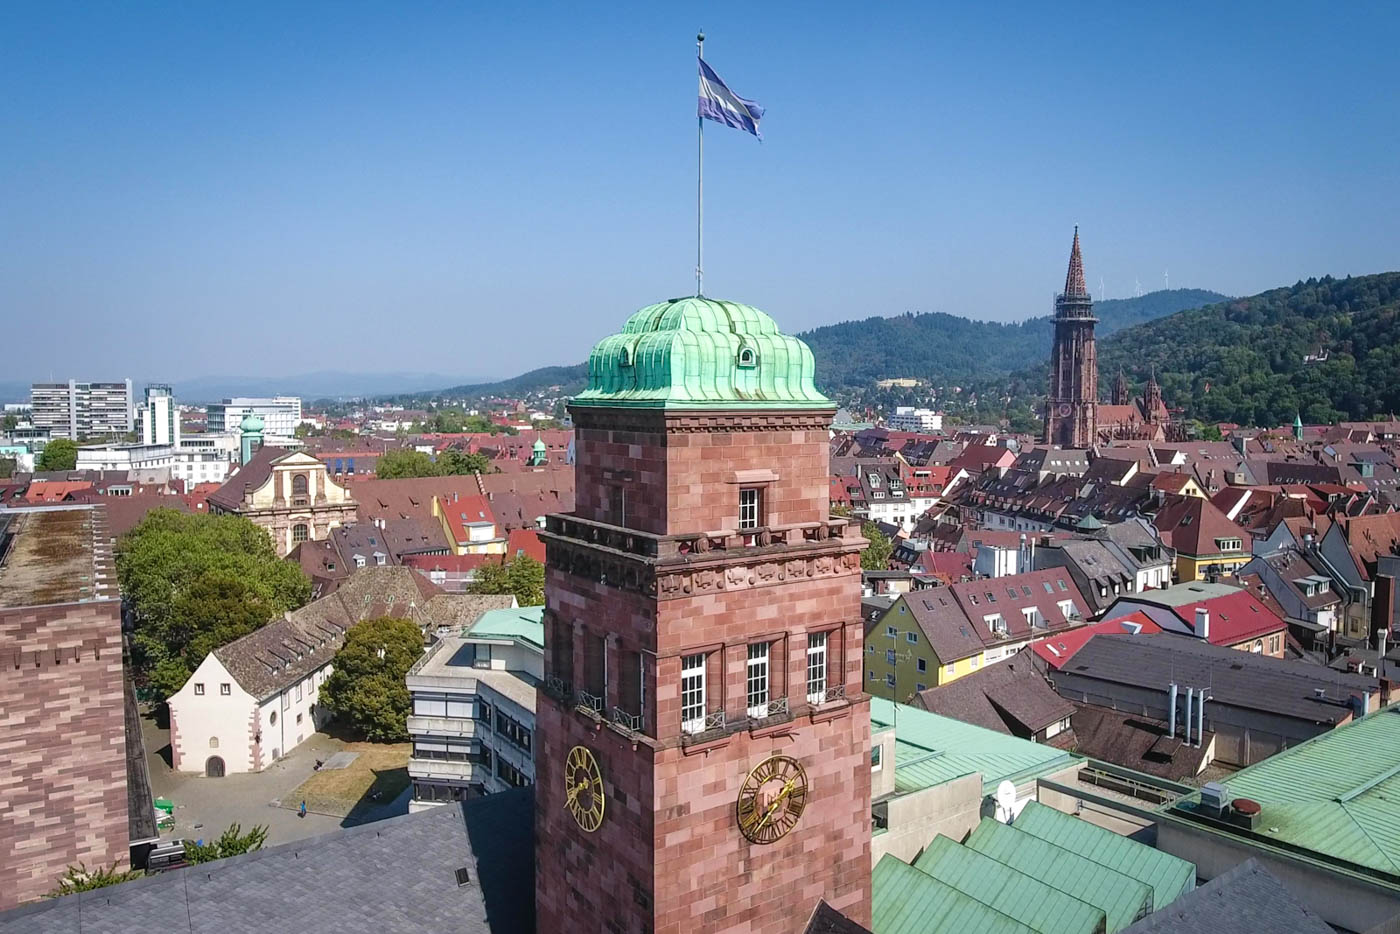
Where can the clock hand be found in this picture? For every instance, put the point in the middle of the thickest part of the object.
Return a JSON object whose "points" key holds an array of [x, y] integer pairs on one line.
{"points": [[574, 793], [773, 805]]}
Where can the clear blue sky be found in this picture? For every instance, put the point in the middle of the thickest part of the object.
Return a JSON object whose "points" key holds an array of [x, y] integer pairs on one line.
{"points": [[476, 188]]}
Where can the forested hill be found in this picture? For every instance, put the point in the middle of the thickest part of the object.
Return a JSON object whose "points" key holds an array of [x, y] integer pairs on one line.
{"points": [[1326, 348], [943, 349], [938, 348]]}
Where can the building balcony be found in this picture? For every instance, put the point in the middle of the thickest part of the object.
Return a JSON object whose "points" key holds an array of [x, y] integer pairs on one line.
{"points": [[442, 726], [665, 547], [458, 770]]}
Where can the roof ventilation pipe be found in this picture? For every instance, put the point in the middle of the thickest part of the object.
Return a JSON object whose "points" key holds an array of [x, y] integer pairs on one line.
{"points": [[1171, 707], [1186, 727], [1203, 623]]}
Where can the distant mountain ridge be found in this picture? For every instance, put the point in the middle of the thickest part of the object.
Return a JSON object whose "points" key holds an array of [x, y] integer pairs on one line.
{"points": [[1327, 349], [935, 347]]}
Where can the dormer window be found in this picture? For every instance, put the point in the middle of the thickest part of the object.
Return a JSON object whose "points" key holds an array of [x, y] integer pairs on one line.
{"points": [[624, 357], [747, 358]]}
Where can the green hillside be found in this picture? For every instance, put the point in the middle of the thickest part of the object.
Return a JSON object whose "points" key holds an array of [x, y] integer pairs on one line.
{"points": [[938, 348], [1247, 360]]}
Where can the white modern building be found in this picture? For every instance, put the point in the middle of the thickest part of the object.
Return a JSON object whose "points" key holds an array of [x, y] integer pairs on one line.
{"points": [[280, 414], [158, 418], [197, 459], [83, 410], [473, 719], [908, 418]]}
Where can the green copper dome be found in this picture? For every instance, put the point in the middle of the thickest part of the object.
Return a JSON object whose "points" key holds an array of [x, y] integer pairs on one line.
{"points": [[252, 422], [539, 447], [701, 353]]}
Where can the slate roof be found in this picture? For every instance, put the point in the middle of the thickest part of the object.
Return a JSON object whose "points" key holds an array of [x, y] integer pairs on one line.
{"points": [[827, 920], [1245, 900], [1240, 679], [251, 475], [291, 647], [944, 624], [393, 875], [1010, 697], [1135, 742], [1192, 525]]}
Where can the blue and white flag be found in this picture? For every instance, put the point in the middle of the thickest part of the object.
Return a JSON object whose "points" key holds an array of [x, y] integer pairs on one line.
{"points": [[722, 105]]}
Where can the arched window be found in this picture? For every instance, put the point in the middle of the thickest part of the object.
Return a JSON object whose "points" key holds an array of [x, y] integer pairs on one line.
{"points": [[300, 532], [1258, 646], [299, 485], [747, 358]]}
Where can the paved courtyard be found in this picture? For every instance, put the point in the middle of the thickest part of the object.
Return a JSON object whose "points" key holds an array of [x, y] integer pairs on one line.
{"points": [[204, 807]]}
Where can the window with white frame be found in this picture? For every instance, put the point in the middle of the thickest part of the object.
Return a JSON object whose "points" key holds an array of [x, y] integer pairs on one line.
{"points": [[693, 693], [948, 669], [758, 680], [750, 501], [198, 688], [1068, 608], [923, 664], [911, 637], [1034, 618], [816, 667]]}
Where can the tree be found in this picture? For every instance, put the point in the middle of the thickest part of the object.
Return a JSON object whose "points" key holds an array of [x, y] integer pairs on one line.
{"points": [[7, 467], [9, 422], [58, 454], [522, 576], [453, 462], [81, 879], [196, 582], [232, 842], [877, 556], [366, 685], [394, 465]]}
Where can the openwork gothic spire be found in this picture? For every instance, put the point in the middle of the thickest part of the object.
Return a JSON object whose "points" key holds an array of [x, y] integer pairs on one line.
{"points": [[1074, 281]]}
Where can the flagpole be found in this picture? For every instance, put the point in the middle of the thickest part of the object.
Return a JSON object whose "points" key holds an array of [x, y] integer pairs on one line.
{"points": [[699, 186]]}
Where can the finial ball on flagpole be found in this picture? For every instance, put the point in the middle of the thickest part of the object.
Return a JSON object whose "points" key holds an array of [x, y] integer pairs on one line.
{"points": [[700, 37]]}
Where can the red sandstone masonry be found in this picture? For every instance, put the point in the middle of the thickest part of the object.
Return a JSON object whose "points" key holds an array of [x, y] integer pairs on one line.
{"points": [[669, 857], [63, 745]]}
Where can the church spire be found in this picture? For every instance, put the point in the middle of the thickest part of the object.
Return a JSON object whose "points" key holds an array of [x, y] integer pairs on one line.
{"points": [[1074, 281]]}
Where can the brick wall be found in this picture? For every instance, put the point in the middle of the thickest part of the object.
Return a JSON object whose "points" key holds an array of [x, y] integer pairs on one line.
{"points": [[63, 745]]}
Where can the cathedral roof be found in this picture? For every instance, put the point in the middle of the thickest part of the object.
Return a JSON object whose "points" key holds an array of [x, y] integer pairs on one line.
{"points": [[701, 353], [1074, 280]]}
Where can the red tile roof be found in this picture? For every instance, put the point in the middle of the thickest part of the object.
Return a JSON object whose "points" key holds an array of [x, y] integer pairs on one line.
{"points": [[525, 541], [1234, 618], [1192, 525], [1060, 648], [54, 491]]}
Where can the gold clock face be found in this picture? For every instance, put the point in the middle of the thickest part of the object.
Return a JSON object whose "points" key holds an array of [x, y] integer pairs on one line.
{"points": [[583, 788], [772, 799]]}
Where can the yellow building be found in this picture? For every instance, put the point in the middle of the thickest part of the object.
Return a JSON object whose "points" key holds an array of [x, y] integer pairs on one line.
{"points": [[1202, 536], [923, 640]]}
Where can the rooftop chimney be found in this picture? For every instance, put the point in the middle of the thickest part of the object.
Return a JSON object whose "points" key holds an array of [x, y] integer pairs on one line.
{"points": [[1203, 623], [1171, 707], [1383, 604]]}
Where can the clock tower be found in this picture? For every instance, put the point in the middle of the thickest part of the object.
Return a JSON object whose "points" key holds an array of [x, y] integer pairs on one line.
{"points": [[702, 737], [1072, 406]]}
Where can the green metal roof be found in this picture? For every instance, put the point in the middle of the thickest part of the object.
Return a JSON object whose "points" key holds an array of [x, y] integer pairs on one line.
{"points": [[1013, 893], [1169, 876], [1334, 795], [700, 352], [525, 623], [930, 750], [1182, 594], [1120, 897], [905, 900]]}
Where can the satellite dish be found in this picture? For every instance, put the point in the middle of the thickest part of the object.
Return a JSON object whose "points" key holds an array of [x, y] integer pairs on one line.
{"points": [[1006, 802]]}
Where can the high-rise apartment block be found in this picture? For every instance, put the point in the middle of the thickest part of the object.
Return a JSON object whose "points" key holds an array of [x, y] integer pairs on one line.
{"points": [[159, 417], [280, 414], [83, 410]]}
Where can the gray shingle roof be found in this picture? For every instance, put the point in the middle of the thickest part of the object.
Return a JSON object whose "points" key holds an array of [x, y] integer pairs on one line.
{"points": [[291, 647], [1239, 679], [1245, 900], [394, 875]]}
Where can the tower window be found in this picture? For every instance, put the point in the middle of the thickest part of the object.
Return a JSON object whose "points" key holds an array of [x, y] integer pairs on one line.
{"points": [[747, 358], [750, 507], [758, 680], [693, 693], [816, 667]]}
